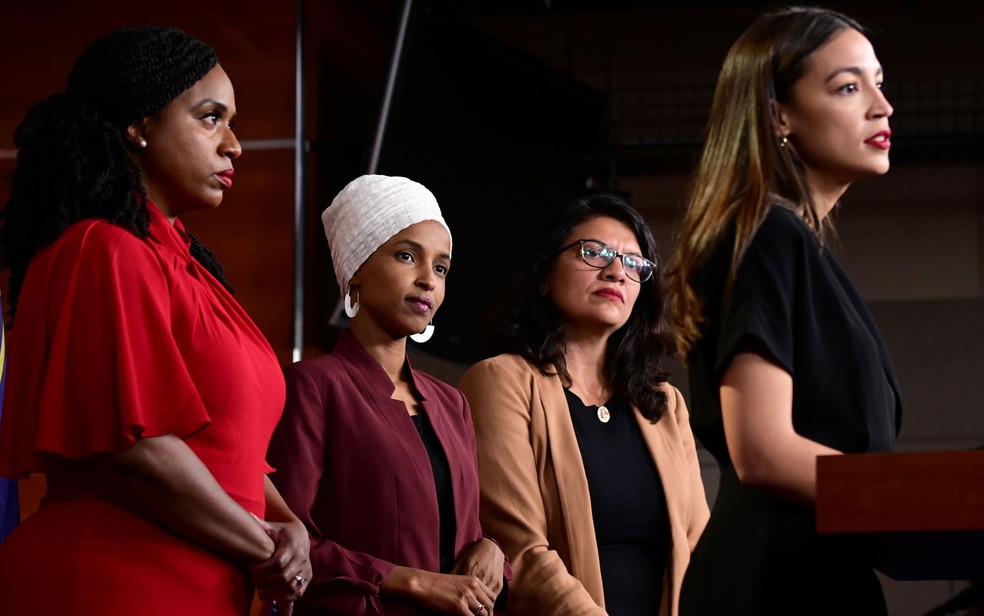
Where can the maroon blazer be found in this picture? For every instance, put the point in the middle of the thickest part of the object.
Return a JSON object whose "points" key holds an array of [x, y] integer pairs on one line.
{"points": [[350, 463]]}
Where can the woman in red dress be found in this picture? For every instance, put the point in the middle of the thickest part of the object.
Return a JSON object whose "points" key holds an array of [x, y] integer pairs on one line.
{"points": [[137, 384]]}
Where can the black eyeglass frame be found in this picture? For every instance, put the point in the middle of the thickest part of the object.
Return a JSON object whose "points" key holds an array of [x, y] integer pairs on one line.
{"points": [[618, 255]]}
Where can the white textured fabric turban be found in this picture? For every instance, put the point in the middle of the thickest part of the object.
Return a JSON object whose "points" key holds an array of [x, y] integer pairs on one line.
{"points": [[367, 213]]}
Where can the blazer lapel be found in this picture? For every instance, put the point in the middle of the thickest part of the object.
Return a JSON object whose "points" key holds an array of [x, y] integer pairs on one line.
{"points": [[670, 474], [378, 387], [572, 486]]}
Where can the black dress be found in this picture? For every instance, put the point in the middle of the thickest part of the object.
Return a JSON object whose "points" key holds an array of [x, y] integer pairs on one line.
{"points": [[792, 300], [628, 506]]}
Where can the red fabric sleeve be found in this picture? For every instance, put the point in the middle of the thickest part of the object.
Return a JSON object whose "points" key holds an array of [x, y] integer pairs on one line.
{"points": [[97, 364]]}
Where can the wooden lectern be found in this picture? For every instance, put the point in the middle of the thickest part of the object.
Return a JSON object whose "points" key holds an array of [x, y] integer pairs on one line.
{"points": [[922, 511]]}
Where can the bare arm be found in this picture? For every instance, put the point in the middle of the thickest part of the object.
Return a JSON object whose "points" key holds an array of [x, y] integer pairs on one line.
{"points": [[286, 574], [757, 407], [164, 478]]}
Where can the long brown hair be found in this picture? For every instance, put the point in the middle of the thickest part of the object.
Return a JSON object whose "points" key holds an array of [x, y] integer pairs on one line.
{"points": [[743, 169]]}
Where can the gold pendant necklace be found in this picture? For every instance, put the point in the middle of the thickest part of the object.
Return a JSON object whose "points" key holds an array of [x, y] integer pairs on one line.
{"points": [[603, 415]]}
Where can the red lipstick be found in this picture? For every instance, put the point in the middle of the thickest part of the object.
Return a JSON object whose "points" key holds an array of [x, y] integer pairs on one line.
{"points": [[226, 177], [881, 140], [610, 293]]}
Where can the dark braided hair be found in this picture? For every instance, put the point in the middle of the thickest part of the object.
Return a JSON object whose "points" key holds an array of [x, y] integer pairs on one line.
{"points": [[73, 162], [533, 327]]}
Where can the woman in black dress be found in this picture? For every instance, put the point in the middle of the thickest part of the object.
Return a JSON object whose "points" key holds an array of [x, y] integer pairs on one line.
{"points": [[785, 361]]}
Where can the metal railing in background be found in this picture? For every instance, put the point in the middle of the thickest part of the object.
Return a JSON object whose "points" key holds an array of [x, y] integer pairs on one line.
{"points": [[659, 117], [937, 119], [944, 116]]}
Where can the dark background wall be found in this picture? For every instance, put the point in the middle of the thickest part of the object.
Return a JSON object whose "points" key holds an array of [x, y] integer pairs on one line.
{"points": [[506, 107], [38, 44], [471, 117]]}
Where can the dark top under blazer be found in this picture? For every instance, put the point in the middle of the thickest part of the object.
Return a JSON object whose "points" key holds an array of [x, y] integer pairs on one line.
{"points": [[535, 496], [350, 463], [794, 302]]}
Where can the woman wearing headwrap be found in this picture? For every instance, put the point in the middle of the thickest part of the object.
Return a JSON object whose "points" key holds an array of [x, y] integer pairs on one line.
{"points": [[137, 384], [378, 459]]}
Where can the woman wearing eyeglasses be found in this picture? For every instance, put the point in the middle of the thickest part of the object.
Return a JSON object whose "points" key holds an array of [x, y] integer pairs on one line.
{"points": [[589, 475]]}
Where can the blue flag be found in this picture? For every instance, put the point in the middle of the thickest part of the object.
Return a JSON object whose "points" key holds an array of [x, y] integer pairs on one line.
{"points": [[9, 505]]}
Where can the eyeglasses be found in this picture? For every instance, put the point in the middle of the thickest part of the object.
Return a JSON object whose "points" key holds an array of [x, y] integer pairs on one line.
{"points": [[600, 255]]}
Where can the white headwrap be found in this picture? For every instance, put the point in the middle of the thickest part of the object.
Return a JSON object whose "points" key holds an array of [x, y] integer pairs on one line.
{"points": [[367, 213]]}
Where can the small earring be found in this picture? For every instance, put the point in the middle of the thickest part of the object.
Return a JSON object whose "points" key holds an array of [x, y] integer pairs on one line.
{"points": [[142, 143], [423, 336], [350, 310], [783, 141]]}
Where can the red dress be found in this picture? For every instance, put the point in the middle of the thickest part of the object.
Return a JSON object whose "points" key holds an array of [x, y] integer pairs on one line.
{"points": [[117, 339]]}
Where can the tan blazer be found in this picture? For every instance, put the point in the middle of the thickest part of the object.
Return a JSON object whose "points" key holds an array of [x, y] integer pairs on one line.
{"points": [[534, 491]]}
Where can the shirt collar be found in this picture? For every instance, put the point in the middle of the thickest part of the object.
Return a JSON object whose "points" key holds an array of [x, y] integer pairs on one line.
{"points": [[162, 229]]}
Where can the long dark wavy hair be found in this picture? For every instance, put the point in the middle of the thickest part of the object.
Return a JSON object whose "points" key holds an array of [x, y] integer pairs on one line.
{"points": [[73, 162], [636, 352]]}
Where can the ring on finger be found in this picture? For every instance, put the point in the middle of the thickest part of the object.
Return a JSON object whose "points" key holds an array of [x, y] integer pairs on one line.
{"points": [[299, 581]]}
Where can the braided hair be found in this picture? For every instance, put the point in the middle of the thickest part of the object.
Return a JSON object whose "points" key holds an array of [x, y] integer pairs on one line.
{"points": [[73, 162]]}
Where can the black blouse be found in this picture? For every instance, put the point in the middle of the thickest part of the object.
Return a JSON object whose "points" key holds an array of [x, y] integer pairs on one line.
{"points": [[442, 481], [628, 506], [792, 301]]}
